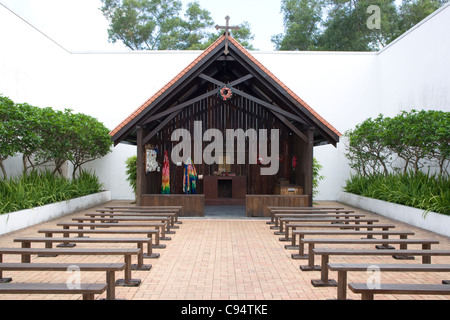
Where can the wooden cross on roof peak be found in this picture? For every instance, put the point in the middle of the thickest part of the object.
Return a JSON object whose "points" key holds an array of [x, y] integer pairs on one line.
{"points": [[227, 29]]}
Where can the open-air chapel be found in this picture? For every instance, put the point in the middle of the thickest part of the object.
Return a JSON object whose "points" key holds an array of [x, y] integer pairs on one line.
{"points": [[226, 88], [226, 141]]}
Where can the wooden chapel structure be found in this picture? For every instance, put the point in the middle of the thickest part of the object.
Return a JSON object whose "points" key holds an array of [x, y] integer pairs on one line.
{"points": [[226, 88]]}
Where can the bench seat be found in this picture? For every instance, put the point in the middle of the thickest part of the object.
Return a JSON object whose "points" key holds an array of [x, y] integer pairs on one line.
{"points": [[109, 268], [127, 253], [67, 232], [369, 233], [343, 268], [425, 243], [369, 227], [368, 291], [26, 243], [324, 280], [87, 290], [159, 226], [134, 218]]}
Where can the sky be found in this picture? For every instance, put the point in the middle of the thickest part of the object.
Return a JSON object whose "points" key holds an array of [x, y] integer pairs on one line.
{"points": [[79, 26]]}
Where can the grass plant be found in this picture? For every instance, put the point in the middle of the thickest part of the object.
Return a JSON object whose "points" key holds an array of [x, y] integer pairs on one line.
{"points": [[430, 192], [39, 188]]}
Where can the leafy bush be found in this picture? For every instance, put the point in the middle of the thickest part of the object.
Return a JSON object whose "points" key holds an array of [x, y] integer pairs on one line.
{"points": [[41, 188], [43, 135], [131, 171], [415, 137], [413, 189]]}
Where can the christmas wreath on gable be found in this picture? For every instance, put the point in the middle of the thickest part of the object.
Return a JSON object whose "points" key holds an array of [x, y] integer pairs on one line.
{"points": [[225, 93]]}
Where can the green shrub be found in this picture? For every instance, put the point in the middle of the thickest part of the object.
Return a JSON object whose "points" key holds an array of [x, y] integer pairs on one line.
{"points": [[418, 190], [41, 188], [131, 171]]}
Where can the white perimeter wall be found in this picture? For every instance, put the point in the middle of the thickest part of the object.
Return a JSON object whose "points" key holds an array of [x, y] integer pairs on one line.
{"points": [[344, 88]]}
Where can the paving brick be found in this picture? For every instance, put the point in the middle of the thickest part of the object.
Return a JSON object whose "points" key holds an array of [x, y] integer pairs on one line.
{"points": [[213, 259]]}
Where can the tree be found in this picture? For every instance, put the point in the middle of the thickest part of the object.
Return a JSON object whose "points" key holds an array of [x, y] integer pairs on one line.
{"points": [[302, 20], [412, 12], [54, 130], [348, 25], [29, 139], [367, 151], [157, 25], [89, 140], [8, 131]]}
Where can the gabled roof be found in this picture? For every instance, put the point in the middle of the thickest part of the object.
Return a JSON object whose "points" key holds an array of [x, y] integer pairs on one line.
{"points": [[326, 131]]}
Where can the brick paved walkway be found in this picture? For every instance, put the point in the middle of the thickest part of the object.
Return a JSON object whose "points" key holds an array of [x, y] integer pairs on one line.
{"points": [[214, 259]]}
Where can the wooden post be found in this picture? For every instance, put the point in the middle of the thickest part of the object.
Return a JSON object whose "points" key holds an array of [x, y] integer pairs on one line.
{"points": [[140, 165], [308, 166]]}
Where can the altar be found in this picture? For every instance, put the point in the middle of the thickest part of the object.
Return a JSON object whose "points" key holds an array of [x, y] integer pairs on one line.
{"points": [[225, 190]]}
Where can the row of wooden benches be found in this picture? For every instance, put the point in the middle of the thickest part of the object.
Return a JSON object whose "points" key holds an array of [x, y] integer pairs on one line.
{"points": [[153, 223], [336, 221]]}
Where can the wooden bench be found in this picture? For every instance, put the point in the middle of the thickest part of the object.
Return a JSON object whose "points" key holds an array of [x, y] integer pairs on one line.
{"points": [[112, 214], [286, 219], [159, 226], [397, 254], [175, 209], [327, 219], [273, 209], [425, 243], [26, 243], [368, 233], [343, 268], [87, 290], [289, 213], [109, 268], [367, 291], [165, 220], [127, 253], [369, 227], [149, 233]]}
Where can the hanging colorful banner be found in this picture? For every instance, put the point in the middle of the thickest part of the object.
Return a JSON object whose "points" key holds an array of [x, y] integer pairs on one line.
{"points": [[165, 187], [189, 178]]}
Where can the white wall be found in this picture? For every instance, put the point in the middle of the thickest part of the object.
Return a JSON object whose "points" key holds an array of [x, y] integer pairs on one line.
{"points": [[415, 70], [344, 88]]}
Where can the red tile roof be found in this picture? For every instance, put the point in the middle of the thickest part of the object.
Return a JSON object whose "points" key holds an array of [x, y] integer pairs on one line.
{"points": [[196, 61], [297, 98], [166, 87]]}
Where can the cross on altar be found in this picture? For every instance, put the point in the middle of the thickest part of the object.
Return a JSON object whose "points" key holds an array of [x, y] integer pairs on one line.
{"points": [[227, 29]]}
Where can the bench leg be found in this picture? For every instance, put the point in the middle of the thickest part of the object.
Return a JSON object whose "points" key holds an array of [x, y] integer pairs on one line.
{"points": [[3, 280], [111, 290], [324, 281], [150, 253], [426, 259], [26, 258], [162, 230], [301, 249], [88, 296], [157, 244], [286, 235], [367, 296], [310, 266], [140, 265], [127, 281], [342, 285]]}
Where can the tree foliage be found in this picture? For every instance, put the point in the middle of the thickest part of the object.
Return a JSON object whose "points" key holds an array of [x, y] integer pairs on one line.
{"points": [[417, 138], [157, 25], [348, 25], [46, 136]]}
